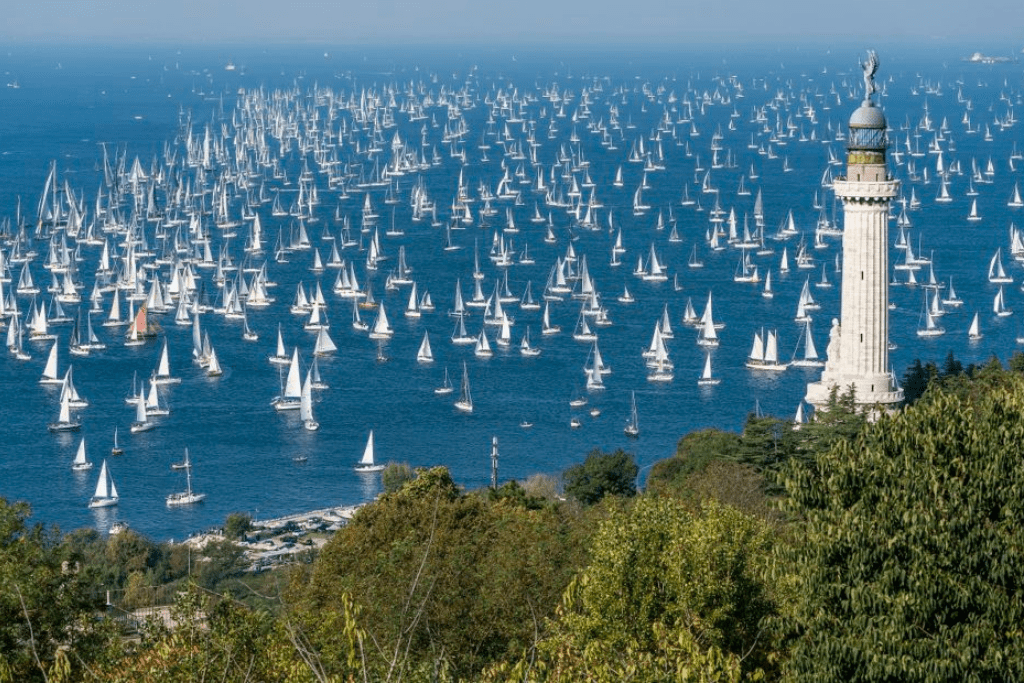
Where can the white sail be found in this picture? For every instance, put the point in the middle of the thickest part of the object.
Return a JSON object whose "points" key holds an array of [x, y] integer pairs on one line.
{"points": [[81, 462], [483, 346], [975, 331], [163, 370], [425, 354], [141, 411], [367, 458], [105, 494], [289, 400], [465, 402], [103, 484], [381, 327], [757, 351], [324, 343], [213, 368], [367, 463], [50, 371], [306, 404], [706, 377]]}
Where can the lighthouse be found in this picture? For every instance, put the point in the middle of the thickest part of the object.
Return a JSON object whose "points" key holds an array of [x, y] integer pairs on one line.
{"points": [[858, 347]]}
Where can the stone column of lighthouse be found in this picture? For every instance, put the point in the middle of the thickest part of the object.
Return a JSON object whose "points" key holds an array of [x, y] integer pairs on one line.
{"points": [[858, 350]]}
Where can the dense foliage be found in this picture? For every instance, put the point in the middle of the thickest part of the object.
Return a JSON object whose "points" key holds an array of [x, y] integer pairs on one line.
{"points": [[443, 580], [913, 543], [670, 594], [838, 550], [600, 475], [43, 599]]}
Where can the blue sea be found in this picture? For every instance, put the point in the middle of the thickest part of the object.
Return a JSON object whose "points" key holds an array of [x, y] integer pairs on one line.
{"points": [[772, 119]]}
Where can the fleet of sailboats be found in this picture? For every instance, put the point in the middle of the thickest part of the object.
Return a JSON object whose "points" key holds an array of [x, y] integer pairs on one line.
{"points": [[163, 249]]}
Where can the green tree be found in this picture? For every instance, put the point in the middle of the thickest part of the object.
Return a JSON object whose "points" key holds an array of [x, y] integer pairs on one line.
{"points": [[841, 420], [916, 380], [440, 579], [1016, 362], [602, 474], [951, 367], [217, 561], [694, 453], [766, 442], [913, 544], [213, 639], [514, 494], [543, 486], [237, 525], [669, 595], [44, 601], [395, 475]]}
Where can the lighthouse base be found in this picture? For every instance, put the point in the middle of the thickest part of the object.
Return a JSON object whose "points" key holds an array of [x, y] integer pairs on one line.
{"points": [[874, 395]]}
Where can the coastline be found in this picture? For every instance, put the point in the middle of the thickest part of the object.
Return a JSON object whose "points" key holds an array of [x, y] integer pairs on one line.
{"points": [[274, 542]]}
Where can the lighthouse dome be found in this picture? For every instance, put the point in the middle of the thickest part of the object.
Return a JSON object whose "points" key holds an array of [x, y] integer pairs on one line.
{"points": [[867, 129], [867, 116]]}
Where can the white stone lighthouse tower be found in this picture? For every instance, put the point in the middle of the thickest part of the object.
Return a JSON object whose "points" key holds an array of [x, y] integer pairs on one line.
{"points": [[858, 348]]}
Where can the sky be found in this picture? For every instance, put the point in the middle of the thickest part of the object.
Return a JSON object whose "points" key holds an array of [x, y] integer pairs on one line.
{"points": [[592, 23]]}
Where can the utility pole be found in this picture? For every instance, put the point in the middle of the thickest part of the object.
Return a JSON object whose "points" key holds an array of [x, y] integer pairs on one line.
{"points": [[494, 462]]}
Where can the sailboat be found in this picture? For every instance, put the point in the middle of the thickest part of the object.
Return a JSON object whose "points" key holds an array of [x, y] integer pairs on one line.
{"points": [[996, 272], [707, 335], [291, 396], [764, 355], [188, 496], [366, 463], [80, 462], [142, 422], [105, 494], [64, 421], [381, 327], [810, 356], [460, 335], [974, 333], [632, 427], [247, 333], [280, 356], [306, 404], [483, 346], [324, 344], [951, 299], [163, 370], [525, 348], [50, 375], [706, 379], [594, 380], [213, 368], [425, 354], [1015, 200], [973, 216], [999, 305], [929, 328], [140, 329], [153, 406], [465, 402], [357, 322], [547, 328], [116, 449], [446, 386]]}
